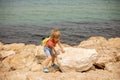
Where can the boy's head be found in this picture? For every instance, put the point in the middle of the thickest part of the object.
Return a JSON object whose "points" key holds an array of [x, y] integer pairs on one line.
{"points": [[55, 33]]}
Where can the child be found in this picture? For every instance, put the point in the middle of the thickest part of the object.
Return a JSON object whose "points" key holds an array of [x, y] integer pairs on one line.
{"points": [[50, 51]]}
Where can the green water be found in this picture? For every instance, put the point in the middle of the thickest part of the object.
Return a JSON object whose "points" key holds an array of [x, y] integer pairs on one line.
{"points": [[37, 12]]}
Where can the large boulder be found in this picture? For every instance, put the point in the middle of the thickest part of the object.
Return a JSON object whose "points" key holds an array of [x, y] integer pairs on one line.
{"points": [[109, 50], [104, 59], [77, 59], [18, 61]]}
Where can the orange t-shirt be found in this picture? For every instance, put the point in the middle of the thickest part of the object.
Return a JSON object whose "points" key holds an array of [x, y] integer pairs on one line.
{"points": [[52, 42]]}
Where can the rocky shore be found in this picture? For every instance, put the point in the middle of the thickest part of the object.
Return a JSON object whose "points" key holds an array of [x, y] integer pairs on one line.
{"points": [[96, 58]]}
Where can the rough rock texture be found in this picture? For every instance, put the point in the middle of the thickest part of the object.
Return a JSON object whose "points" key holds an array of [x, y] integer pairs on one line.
{"points": [[113, 67], [93, 75], [1, 45], [24, 62], [77, 59], [109, 50], [24, 59], [18, 61], [17, 47], [4, 54]]}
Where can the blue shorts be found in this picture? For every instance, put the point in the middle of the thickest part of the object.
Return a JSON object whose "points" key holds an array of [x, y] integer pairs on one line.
{"points": [[48, 51]]}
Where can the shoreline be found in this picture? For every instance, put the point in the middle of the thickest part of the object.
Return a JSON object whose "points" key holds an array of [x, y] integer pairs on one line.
{"points": [[72, 45]]}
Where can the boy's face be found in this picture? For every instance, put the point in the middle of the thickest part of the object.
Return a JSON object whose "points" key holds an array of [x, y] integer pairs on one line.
{"points": [[56, 39]]}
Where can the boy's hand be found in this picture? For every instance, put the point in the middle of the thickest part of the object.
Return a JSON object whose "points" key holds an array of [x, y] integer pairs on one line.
{"points": [[63, 51], [56, 54]]}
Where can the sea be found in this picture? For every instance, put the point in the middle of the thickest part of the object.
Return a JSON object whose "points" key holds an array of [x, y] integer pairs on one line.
{"points": [[28, 21]]}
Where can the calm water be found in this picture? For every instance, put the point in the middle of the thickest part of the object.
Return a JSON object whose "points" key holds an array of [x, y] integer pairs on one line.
{"points": [[30, 20]]}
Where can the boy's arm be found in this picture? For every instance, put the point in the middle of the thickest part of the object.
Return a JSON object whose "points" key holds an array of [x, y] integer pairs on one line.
{"points": [[60, 45]]}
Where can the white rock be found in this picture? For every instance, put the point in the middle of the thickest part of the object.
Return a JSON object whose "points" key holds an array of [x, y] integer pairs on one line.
{"points": [[77, 59]]}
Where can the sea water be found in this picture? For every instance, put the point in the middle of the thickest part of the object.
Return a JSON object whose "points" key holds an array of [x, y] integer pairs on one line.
{"points": [[30, 20]]}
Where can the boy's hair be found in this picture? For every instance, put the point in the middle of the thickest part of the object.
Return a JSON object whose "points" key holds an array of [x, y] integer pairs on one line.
{"points": [[55, 33]]}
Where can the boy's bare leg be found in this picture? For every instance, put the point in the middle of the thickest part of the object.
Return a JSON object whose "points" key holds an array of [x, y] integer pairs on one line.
{"points": [[53, 59], [47, 61]]}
